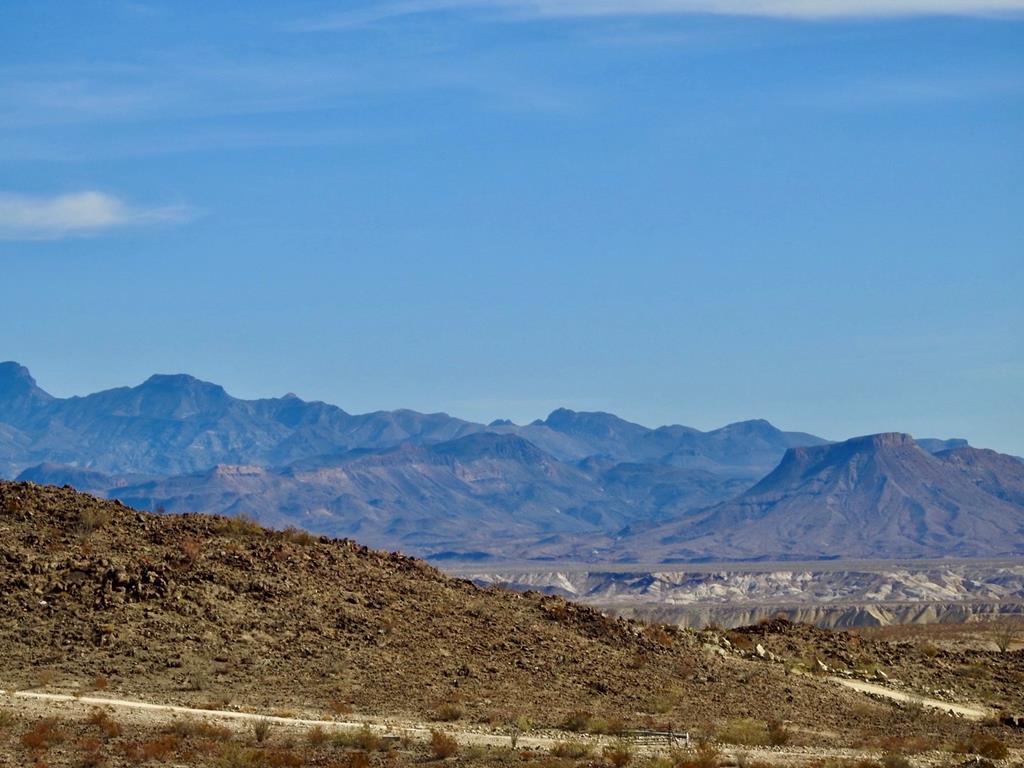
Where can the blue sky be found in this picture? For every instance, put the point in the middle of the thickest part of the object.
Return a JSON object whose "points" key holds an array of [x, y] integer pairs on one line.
{"points": [[682, 211]]}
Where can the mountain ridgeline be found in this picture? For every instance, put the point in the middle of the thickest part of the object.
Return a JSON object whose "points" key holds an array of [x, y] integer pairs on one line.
{"points": [[582, 486]]}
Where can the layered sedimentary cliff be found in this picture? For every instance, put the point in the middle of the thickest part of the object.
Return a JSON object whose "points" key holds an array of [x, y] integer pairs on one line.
{"points": [[829, 595]]}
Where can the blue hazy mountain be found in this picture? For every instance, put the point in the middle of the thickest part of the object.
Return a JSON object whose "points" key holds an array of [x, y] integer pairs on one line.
{"points": [[576, 484]]}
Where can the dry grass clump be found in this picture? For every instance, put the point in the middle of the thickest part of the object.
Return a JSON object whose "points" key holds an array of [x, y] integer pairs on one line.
{"points": [[241, 527], [92, 753], [704, 755], [234, 755], [43, 735], [573, 750], [316, 736], [191, 550], [447, 713], [443, 746], [358, 759], [586, 722], [261, 729], [753, 733], [98, 683], [7, 720], [339, 708], [109, 728], [618, 754], [199, 729], [363, 739], [895, 760], [657, 633], [929, 649], [159, 748], [294, 535], [91, 520], [661, 704]]}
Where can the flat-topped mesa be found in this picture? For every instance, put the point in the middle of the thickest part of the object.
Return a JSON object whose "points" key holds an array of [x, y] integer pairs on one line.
{"points": [[811, 454], [873, 496], [883, 440]]}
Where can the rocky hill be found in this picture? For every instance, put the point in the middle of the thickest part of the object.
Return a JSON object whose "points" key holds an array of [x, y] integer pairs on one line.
{"points": [[195, 609], [879, 496]]}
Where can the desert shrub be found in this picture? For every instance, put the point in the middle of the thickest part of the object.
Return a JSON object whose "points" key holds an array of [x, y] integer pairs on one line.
{"points": [[233, 755], [297, 536], [280, 758], [197, 678], [191, 549], [442, 745], [357, 759], [92, 755], [657, 633], [778, 733], [982, 744], [1004, 635], [363, 738], [585, 722], [447, 713], [261, 729], [98, 683], [241, 527], [6, 719], [520, 725], [618, 754], [928, 649], [746, 731], [574, 750], [894, 760], [558, 611], [91, 520], [316, 736], [339, 708], [109, 727], [704, 755], [159, 748], [577, 721], [43, 735], [661, 704], [914, 707], [197, 728]]}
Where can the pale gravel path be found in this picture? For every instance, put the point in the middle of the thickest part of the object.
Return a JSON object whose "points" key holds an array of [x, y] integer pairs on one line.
{"points": [[963, 710], [156, 714]]}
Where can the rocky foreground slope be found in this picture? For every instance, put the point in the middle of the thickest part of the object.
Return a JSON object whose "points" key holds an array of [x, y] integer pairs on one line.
{"points": [[202, 610]]}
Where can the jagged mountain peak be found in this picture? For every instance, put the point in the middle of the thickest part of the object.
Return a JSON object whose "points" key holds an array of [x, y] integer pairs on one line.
{"points": [[16, 381]]}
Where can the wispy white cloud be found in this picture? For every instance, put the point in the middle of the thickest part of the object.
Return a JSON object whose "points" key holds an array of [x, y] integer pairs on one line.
{"points": [[799, 9], [31, 217]]}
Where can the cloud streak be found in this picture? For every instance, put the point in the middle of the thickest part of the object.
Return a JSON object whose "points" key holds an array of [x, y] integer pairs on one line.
{"points": [[553, 9], [89, 212]]}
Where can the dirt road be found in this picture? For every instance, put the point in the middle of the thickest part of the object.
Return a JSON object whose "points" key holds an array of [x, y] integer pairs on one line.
{"points": [[49, 704], [962, 710]]}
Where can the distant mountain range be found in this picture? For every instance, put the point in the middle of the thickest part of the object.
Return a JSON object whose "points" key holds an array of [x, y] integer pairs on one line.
{"points": [[575, 485]]}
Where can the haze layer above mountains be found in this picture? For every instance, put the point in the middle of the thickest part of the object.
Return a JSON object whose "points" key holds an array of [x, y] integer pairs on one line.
{"points": [[585, 486]]}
